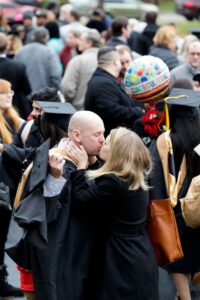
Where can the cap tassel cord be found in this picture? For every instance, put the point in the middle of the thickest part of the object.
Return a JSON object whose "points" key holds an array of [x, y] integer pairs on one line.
{"points": [[167, 122]]}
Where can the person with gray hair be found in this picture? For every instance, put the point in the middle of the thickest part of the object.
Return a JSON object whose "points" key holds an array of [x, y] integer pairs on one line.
{"points": [[42, 65], [73, 23], [106, 96], [80, 69], [40, 35], [191, 66]]}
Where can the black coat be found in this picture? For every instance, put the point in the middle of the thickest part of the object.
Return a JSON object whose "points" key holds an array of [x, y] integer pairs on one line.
{"points": [[15, 72], [106, 97], [145, 39], [61, 268], [97, 24], [115, 41], [125, 266]]}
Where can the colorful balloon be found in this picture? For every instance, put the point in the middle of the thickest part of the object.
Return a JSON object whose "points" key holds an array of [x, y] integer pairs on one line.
{"points": [[147, 79]]}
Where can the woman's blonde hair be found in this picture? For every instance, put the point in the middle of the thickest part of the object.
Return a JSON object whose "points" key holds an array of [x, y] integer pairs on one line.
{"points": [[165, 35], [15, 45], [129, 159], [7, 117]]}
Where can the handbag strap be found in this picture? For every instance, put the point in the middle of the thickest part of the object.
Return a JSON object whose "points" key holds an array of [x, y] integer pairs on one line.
{"points": [[165, 150]]}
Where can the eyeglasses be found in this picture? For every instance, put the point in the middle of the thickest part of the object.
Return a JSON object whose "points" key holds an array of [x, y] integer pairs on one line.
{"points": [[194, 53], [10, 93]]}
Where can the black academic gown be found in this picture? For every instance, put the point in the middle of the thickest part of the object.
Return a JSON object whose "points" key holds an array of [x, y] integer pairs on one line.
{"points": [[60, 269], [18, 159], [12, 163], [57, 241]]}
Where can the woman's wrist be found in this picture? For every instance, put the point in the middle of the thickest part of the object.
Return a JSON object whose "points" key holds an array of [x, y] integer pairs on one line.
{"points": [[81, 166], [1, 148]]}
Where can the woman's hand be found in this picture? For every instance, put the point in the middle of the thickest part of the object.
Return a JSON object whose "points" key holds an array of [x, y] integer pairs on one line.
{"points": [[56, 164], [79, 154]]}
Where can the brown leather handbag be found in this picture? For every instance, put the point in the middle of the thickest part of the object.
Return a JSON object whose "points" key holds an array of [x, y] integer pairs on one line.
{"points": [[163, 232]]}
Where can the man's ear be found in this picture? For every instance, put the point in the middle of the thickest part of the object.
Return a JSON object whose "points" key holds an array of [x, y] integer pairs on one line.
{"points": [[76, 136], [123, 30], [114, 61]]}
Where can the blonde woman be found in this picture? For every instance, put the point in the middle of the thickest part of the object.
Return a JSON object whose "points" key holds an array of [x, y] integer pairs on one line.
{"points": [[14, 44], [165, 46], [9, 124], [123, 262]]}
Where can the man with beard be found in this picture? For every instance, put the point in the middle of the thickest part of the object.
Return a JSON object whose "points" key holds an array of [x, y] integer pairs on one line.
{"points": [[29, 134]]}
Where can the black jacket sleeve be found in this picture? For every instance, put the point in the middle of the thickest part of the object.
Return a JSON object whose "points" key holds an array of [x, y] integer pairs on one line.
{"points": [[108, 104], [95, 193]]}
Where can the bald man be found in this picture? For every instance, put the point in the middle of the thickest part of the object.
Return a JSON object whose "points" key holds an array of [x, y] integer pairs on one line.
{"points": [[61, 270]]}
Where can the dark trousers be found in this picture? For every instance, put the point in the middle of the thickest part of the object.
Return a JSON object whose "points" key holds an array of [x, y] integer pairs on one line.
{"points": [[5, 217]]}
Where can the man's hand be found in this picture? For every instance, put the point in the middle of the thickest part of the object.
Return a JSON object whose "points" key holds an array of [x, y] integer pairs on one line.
{"points": [[56, 164]]}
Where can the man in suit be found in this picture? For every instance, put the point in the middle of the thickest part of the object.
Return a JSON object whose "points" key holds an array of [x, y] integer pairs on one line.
{"points": [[106, 96], [121, 31], [15, 72]]}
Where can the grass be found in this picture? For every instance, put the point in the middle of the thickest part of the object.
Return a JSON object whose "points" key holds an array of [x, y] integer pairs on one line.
{"points": [[167, 5], [184, 27]]}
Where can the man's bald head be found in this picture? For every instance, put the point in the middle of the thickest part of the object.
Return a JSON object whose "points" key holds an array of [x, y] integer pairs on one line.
{"points": [[86, 128], [81, 119]]}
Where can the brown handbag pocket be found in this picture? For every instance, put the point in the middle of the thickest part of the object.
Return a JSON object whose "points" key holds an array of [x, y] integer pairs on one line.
{"points": [[163, 232]]}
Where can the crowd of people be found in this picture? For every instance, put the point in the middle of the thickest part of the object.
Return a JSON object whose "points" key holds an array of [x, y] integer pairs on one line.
{"points": [[88, 137]]}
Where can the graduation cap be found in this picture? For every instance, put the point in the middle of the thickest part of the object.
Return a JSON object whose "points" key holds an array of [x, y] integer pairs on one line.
{"points": [[184, 97], [182, 103], [57, 112]]}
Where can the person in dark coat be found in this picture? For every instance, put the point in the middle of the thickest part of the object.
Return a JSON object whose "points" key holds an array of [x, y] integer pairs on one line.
{"points": [[106, 95], [125, 266], [9, 124], [165, 46], [15, 72], [97, 20], [59, 272], [145, 39], [121, 31]]}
